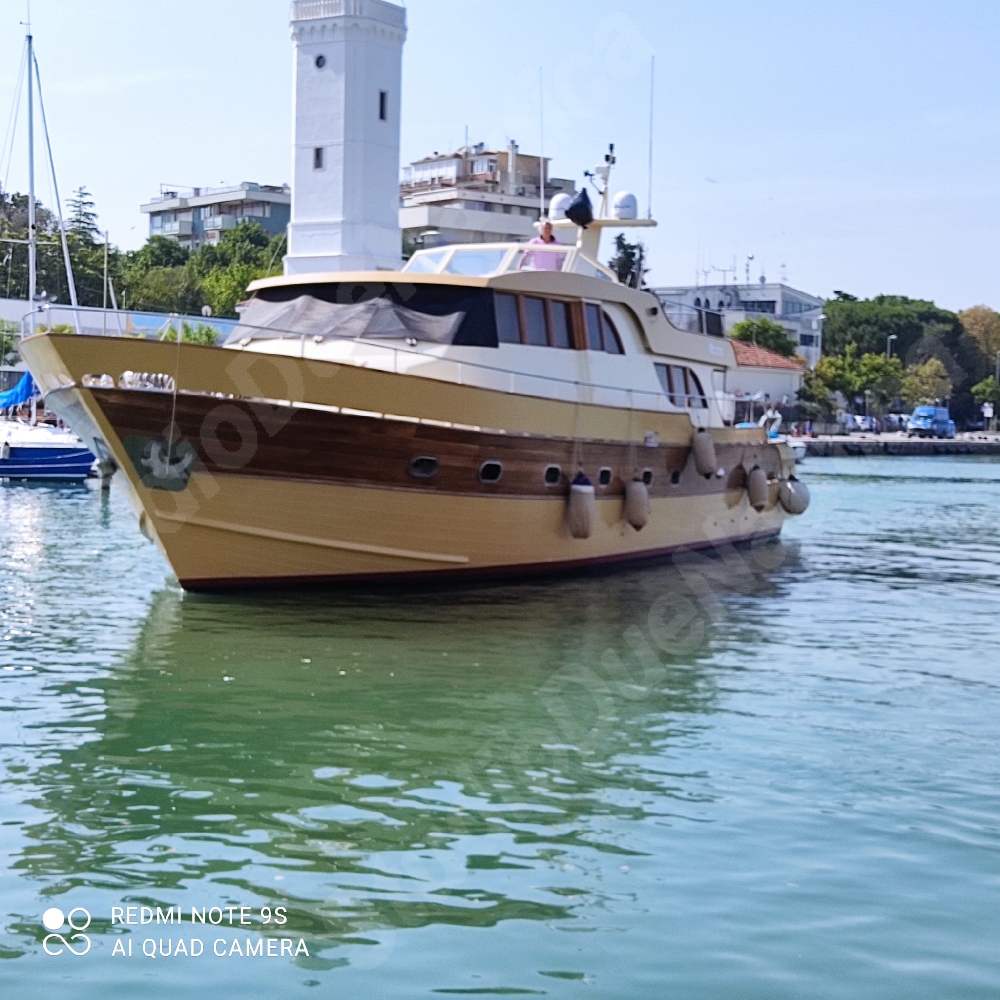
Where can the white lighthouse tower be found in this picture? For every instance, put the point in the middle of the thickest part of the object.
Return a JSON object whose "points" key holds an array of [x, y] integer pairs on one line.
{"points": [[345, 190]]}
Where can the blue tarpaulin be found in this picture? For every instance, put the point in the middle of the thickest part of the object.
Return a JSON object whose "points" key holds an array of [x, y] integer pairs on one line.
{"points": [[21, 393]]}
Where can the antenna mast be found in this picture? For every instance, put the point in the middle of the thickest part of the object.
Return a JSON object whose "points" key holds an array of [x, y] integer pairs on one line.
{"points": [[541, 148], [32, 235], [55, 190], [649, 189]]}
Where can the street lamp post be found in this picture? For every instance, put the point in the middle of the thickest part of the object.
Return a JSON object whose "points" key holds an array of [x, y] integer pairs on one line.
{"points": [[888, 344]]}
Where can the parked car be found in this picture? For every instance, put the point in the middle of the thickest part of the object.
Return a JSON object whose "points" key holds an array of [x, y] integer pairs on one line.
{"points": [[930, 421], [862, 423]]}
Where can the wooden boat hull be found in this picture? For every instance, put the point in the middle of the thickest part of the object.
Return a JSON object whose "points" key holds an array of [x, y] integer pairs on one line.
{"points": [[241, 489]]}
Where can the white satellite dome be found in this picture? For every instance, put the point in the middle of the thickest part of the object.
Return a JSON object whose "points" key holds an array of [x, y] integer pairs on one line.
{"points": [[625, 206], [558, 206]]}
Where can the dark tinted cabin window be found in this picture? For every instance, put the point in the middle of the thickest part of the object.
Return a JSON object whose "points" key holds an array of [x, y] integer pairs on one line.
{"points": [[534, 321], [552, 475], [713, 324], [678, 388], [696, 396], [661, 374], [592, 314], [612, 343], [559, 325], [604, 477], [508, 328]]}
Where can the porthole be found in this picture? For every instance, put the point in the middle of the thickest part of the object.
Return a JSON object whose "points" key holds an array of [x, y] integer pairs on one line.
{"points": [[647, 476], [604, 477], [423, 467], [320, 62], [675, 477], [490, 472], [552, 475]]}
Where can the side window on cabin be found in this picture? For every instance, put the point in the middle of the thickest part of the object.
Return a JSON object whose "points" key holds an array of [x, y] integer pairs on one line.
{"points": [[534, 321], [681, 385], [560, 324], [592, 317], [612, 342], [508, 327], [678, 389], [696, 395]]}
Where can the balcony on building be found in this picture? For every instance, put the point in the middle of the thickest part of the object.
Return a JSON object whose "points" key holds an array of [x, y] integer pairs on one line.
{"points": [[221, 222], [177, 228]]}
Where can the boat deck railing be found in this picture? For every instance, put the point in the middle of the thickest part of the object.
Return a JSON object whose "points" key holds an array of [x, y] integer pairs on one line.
{"points": [[365, 352]]}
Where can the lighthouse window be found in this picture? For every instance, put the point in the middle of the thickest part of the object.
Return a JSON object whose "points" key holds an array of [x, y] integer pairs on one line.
{"points": [[318, 158], [383, 105], [320, 62]]}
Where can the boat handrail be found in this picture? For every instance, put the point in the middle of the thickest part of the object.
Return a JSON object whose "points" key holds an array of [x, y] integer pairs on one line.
{"points": [[656, 400]]}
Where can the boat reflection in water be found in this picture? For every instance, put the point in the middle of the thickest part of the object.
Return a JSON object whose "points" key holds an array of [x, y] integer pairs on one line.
{"points": [[394, 762]]}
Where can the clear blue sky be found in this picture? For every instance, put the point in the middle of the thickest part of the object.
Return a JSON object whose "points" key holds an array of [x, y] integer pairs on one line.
{"points": [[854, 142]]}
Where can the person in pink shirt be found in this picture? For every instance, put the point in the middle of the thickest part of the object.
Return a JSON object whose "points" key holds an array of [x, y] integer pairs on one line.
{"points": [[543, 261]]}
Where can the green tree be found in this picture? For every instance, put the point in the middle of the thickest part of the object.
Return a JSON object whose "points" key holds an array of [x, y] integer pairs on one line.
{"points": [[765, 333], [926, 383], [627, 261], [158, 251], [166, 289], [200, 333], [242, 255], [868, 324], [982, 324], [854, 376], [987, 391], [814, 396], [82, 222]]}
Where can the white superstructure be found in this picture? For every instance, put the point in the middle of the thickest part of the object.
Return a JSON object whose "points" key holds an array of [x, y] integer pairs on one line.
{"points": [[346, 104]]}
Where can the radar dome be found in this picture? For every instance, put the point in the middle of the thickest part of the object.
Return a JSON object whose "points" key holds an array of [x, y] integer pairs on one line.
{"points": [[625, 205], [558, 205]]}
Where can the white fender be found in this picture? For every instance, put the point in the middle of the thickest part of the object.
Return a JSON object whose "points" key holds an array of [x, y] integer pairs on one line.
{"points": [[582, 510], [637, 504], [757, 488], [705, 460], [793, 495]]}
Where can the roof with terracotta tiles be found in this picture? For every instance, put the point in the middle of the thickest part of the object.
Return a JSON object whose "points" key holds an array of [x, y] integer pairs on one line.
{"points": [[751, 356]]}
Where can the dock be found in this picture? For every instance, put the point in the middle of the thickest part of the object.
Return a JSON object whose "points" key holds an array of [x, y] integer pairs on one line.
{"points": [[858, 445]]}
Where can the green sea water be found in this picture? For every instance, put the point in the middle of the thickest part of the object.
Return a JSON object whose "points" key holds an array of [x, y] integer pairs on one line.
{"points": [[764, 773]]}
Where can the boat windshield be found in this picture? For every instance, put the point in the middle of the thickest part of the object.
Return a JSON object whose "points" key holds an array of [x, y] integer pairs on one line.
{"points": [[475, 263], [425, 261], [485, 261]]}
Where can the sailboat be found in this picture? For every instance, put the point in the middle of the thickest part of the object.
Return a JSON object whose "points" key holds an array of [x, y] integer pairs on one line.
{"points": [[29, 449]]}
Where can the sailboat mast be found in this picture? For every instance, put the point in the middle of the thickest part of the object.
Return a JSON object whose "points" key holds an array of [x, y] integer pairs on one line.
{"points": [[32, 234]]}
